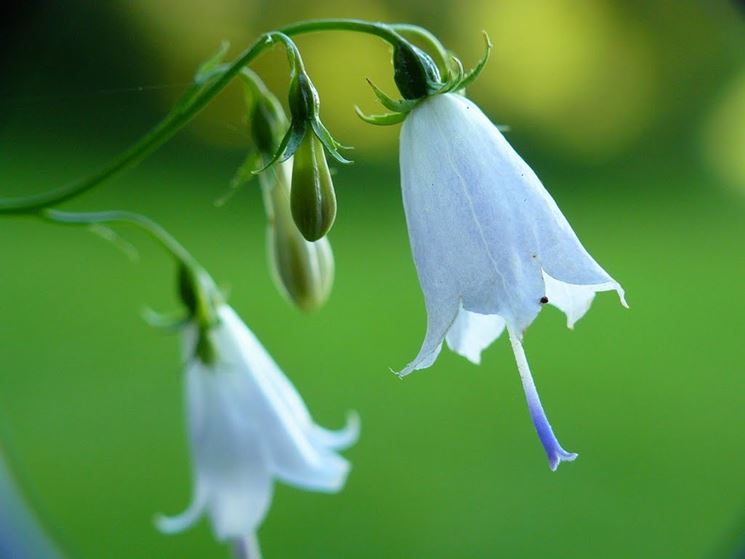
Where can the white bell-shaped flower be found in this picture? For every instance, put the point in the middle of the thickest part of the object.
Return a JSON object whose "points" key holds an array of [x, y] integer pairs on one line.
{"points": [[489, 243], [248, 425]]}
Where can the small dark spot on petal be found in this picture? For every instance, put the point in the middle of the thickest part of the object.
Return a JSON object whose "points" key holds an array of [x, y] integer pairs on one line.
{"points": [[544, 300]]}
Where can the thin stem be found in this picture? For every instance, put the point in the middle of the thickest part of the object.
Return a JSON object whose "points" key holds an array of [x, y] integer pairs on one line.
{"points": [[190, 104], [388, 32], [380, 30], [247, 548], [198, 96], [155, 230]]}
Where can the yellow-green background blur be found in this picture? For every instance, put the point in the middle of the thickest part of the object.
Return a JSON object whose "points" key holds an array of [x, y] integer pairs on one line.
{"points": [[633, 114]]}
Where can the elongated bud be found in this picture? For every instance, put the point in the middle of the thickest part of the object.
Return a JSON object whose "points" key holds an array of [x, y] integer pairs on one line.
{"points": [[303, 270], [312, 196], [415, 73]]}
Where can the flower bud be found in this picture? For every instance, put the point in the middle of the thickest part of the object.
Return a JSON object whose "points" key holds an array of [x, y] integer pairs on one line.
{"points": [[268, 124], [303, 270], [198, 294], [415, 73], [303, 98], [312, 197]]}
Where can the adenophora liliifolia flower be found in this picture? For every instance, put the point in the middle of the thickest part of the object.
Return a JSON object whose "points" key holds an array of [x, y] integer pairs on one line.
{"points": [[489, 243], [249, 426]]}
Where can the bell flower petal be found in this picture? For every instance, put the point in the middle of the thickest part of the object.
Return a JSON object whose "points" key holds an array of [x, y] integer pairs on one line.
{"points": [[489, 243], [472, 332], [248, 426]]}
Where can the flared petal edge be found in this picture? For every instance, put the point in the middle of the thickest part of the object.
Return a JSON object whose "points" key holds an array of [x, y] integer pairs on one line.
{"points": [[337, 440], [472, 332], [183, 521], [574, 300]]}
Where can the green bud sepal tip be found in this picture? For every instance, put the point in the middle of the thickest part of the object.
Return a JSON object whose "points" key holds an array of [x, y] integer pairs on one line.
{"points": [[457, 80]]}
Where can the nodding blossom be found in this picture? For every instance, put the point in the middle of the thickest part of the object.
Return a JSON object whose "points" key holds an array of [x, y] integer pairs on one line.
{"points": [[490, 245], [248, 426]]}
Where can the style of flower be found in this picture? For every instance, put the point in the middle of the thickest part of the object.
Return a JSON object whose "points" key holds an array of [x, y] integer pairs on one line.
{"points": [[489, 243], [249, 426]]}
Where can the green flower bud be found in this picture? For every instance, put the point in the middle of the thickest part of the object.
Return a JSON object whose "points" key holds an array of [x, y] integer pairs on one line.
{"points": [[268, 124], [302, 270], [312, 197], [199, 295], [415, 73], [303, 98]]}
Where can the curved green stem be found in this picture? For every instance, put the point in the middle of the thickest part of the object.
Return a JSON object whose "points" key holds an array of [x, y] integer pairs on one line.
{"points": [[381, 30], [390, 32], [200, 94], [155, 230], [190, 104]]}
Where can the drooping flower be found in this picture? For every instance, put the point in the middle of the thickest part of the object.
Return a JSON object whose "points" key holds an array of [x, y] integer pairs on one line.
{"points": [[489, 243], [249, 426]]}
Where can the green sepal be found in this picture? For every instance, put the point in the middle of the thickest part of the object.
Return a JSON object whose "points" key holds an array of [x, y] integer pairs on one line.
{"points": [[168, 322], [206, 349], [387, 119], [400, 106], [244, 174], [325, 132], [206, 69], [328, 141], [455, 81], [476, 70], [288, 146]]}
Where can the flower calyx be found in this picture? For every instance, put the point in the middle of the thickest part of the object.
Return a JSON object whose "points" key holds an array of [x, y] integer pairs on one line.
{"points": [[201, 298], [417, 78]]}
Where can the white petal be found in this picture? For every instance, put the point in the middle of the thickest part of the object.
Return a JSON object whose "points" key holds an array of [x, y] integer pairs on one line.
{"points": [[234, 479], [273, 406], [180, 522], [471, 333], [440, 318], [575, 300], [337, 440]]}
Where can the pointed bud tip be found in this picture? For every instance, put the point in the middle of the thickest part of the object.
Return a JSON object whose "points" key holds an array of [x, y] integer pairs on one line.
{"points": [[312, 195]]}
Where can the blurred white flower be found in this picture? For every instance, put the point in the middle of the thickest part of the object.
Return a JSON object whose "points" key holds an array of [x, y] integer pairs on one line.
{"points": [[489, 243], [248, 425], [22, 535]]}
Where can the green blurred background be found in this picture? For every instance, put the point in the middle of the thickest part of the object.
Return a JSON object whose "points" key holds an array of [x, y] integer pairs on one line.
{"points": [[633, 114]]}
